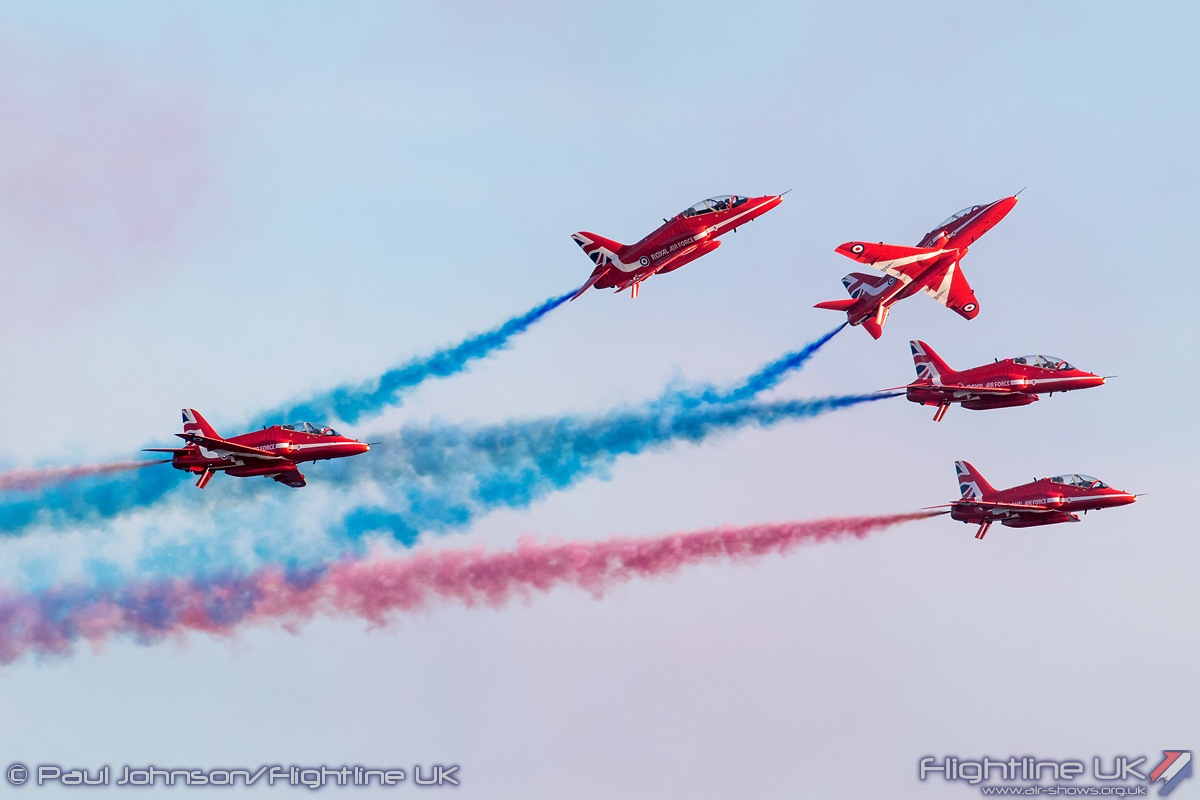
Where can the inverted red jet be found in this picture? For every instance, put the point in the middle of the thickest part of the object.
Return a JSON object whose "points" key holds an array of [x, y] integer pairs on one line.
{"points": [[931, 267], [1011, 382], [685, 237], [1046, 501], [272, 452]]}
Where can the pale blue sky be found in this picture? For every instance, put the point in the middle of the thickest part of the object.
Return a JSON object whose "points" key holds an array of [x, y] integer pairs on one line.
{"points": [[334, 188]]}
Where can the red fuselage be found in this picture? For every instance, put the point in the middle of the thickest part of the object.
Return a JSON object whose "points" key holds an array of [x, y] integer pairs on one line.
{"points": [[1061, 499], [272, 452], [680, 240], [932, 267], [1046, 501], [954, 236], [1011, 382], [292, 445]]}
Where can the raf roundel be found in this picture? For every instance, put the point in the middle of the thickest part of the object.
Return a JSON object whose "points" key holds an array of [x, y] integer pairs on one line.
{"points": [[932, 267], [680, 240]]}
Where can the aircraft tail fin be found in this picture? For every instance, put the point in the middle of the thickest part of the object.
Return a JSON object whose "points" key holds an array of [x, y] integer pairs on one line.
{"points": [[601, 251], [971, 484], [193, 422], [862, 283], [930, 367]]}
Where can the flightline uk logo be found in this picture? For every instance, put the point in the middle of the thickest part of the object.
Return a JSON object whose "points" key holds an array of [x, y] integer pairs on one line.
{"points": [[1175, 766], [1119, 776]]}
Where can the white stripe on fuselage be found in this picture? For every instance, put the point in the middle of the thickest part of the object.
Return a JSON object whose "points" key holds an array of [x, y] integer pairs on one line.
{"points": [[1088, 497], [729, 222], [1059, 380], [1015, 385], [295, 446], [696, 238], [952, 231], [967, 220], [284, 447]]}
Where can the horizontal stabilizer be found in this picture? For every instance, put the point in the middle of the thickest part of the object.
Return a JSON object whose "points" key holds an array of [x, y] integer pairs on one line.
{"points": [[596, 275], [164, 450], [837, 305]]}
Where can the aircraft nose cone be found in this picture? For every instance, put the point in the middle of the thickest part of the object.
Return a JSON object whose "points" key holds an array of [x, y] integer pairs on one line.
{"points": [[767, 203], [1000, 208]]}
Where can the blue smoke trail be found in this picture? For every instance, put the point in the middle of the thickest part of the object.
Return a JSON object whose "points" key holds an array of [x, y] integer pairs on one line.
{"points": [[86, 500], [426, 479], [89, 500], [351, 403], [94, 500], [769, 376], [441, 477]]}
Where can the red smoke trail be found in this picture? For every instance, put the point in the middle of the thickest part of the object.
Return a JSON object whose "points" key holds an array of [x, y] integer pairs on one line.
{"points": [[51, 621], [372, 590], [25, 480]]}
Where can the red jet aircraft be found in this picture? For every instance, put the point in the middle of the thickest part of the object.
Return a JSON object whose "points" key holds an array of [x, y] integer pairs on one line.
{"points": [[1011, 382], [684, 238], [931, 267], [272, 452], [1045, 501]]}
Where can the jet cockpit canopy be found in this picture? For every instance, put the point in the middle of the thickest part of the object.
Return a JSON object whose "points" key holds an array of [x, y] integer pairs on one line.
{"points": [[308, 427], [955, 217], [1043, 362], [1083, 481], [722, 202]]}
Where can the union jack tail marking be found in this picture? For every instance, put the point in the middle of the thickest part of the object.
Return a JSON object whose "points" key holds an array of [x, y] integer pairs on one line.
{"points": [[603, 252], [930, 368], [971, 484]]}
